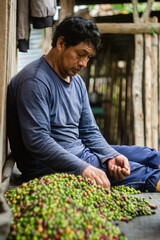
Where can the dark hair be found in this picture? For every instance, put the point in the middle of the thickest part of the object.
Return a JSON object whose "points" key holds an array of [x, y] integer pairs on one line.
{"points": [[77, 29]]}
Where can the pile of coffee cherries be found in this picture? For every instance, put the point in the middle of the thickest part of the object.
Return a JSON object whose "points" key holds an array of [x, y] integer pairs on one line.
{"points": [[68, 207]]}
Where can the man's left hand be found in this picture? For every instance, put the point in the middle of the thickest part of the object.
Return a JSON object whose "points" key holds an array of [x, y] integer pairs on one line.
{"points": [[119, 167]]}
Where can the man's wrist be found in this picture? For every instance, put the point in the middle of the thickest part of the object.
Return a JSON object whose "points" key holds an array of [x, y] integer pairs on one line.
{"points": [[81, 168]]}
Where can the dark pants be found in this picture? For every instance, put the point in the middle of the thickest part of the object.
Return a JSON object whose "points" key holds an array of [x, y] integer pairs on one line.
{"points": [[144, 163]]}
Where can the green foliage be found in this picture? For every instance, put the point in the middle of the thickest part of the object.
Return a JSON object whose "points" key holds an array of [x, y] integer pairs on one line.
{"points": [[128, 7]]}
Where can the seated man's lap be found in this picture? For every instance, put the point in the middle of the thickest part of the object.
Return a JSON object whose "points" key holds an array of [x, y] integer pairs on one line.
{"points": [[142, 177]]}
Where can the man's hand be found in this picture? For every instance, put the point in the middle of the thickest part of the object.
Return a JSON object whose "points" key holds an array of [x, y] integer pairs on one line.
{"points": [[119, 167], [97, 176]]}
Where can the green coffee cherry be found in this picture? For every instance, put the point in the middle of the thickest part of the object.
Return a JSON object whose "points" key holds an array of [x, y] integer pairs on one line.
{"points": [[63, 206]]}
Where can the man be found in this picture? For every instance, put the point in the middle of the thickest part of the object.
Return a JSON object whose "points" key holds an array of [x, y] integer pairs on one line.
{"points": [[50, 124]]}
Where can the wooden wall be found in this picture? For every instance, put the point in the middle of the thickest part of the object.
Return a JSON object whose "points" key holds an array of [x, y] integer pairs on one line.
{"points": [[8, 66], [109, 80]]}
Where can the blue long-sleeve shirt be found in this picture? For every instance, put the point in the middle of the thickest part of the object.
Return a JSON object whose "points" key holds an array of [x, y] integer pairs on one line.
{"points": [[49, 121]]}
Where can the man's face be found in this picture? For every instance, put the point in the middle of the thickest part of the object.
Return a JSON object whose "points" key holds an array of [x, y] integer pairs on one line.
{"points": [[74, 58]]}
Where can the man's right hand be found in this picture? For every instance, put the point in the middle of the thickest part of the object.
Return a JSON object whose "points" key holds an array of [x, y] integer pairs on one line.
{"points": [[97, 176]]}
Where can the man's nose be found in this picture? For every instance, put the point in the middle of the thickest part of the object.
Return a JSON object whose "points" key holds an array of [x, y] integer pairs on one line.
{"points": [[83, 62]]}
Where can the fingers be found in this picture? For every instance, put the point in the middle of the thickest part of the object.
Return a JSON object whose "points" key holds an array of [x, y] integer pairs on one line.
{"points": [[103, 181], [126, 168], [126, 172], [119, 167], [97, 176], [117, 172], [120, 173], [111, 170]]}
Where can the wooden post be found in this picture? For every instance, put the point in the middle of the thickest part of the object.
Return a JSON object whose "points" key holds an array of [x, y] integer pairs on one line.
{"points": [[137, 91], [119, 133], [47, 40], [159, 91], [3, 61], [128, 100], [110, 104], [148, 90], [154, 107], [137, 74], [67, 7], [8, 65]]}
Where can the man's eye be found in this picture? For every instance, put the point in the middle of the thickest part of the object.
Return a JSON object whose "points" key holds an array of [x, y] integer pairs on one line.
{"points": [[80, 55]]}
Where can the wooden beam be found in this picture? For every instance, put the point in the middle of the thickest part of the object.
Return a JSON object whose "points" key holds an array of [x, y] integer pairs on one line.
{"points": [[129, 28], [93, 2], [8, 65], [3, 67]]}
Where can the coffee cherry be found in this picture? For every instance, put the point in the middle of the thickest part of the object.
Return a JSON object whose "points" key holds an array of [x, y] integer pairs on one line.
{"points": [[63, 206]]}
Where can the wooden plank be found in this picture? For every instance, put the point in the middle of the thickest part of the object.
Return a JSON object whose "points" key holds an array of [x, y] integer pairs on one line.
{"points": [[137, 91], [132, 109], [111, 105], [3, 61], [154, 107], [148, 87], [128, 100], [128, 28], [7, 65], [92, 2], [119, 134], [159, 90]]}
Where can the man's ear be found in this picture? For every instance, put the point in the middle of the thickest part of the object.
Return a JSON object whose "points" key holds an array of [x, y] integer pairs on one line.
{"points": [[60, 42]]}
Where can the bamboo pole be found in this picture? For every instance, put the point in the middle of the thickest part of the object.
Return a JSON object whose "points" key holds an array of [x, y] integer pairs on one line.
{"points": [[148, 87], [127, 98], [110, 105], [137, 82], [107, 116], [132, 109], [159, 90], [154, 90], [137, 91], [119, 133], [128, 28]]}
